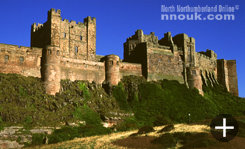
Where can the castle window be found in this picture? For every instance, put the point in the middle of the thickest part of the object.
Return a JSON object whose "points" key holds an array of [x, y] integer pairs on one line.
{"points": [[117, 62], [6, 58], [64, 35], [21, 59], [58, 53], [81, 37], [76, 50], [189, 57], [194, 72], [189, 54], [169, 60], [49, 52], [111, 62]]}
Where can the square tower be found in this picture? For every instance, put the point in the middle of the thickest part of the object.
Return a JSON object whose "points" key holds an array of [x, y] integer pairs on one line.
{"points": [[75, 39]]}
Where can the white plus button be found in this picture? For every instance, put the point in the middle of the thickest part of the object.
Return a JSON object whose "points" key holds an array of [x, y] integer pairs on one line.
{"points": [[224, 127]]}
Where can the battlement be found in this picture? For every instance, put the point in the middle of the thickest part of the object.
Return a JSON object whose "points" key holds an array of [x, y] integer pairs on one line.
{"points": [[210, 54], [15, 48], [36, 26], [80, 24], [141, 37], [63, 49], [54, 12], [89, 19], [202, 55]]}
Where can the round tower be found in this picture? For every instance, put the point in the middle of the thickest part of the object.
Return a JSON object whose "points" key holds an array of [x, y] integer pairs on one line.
{"points": [[51, 75], [194, 78], [112, 74]]}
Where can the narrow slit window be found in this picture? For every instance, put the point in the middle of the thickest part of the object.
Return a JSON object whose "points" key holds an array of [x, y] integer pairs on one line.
{"points": [[76, 50], [189, 54], [21, 59], [6, 58], [64, 35], [81, 37], [49, 52], [58, 53]]}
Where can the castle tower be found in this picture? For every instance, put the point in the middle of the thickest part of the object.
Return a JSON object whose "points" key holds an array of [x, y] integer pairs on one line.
{"points": [[54, 17], [112, 75], [91, 37], [227, 75], [52, 74], [75, 39], [194, 78], [187, 45]]}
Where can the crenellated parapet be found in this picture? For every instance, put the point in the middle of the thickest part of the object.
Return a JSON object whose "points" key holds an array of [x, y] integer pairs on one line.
{"points": [[63, 49], [36, 26]]}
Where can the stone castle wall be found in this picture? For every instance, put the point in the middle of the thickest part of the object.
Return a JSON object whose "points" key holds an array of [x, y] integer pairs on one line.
{"points": [[75, 69], [163, 64], [127, 69], [20, 60], [175, 58], [232, 75], [227, 75], [67, 50]]}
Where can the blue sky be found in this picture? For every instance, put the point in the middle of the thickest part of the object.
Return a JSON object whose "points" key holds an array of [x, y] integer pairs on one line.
{"points": [[119, 19]]}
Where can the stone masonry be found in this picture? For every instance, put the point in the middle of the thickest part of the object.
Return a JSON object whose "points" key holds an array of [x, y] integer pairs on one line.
{"points": [[62, 49]]}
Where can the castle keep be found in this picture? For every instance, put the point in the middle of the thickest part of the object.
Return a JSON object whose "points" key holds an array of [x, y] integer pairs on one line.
{"points": [[62, 49]]}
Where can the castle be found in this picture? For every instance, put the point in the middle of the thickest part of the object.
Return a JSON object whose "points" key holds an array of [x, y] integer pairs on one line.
{"points": [[62, 49]]}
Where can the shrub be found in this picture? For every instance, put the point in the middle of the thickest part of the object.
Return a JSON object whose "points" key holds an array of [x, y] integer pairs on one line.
{"points": [[194, 140], [38, 139], [166, 140], [82, 86], [121, 96], [69, 133], [1, 124], [84, 113], [128, 123], [145, 129], [28, 122], [166, 128]]}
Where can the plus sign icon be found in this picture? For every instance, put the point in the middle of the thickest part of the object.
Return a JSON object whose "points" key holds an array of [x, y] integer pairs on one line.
{"points": [[224, 127]]}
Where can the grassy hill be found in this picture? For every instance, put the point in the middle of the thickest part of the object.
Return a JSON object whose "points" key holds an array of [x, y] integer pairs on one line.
{"points": [[23, 101]]}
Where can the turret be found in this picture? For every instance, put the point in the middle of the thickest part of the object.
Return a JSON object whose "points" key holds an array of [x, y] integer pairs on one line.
{"points": [[194, 78], [51, 74], [112, 76]]}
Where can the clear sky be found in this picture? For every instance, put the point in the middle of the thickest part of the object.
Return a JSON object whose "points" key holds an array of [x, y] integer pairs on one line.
{"points": [[119, 19]]}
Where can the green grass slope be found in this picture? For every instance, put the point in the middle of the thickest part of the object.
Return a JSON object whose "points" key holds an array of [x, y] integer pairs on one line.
{"points": [[23, 101]]}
